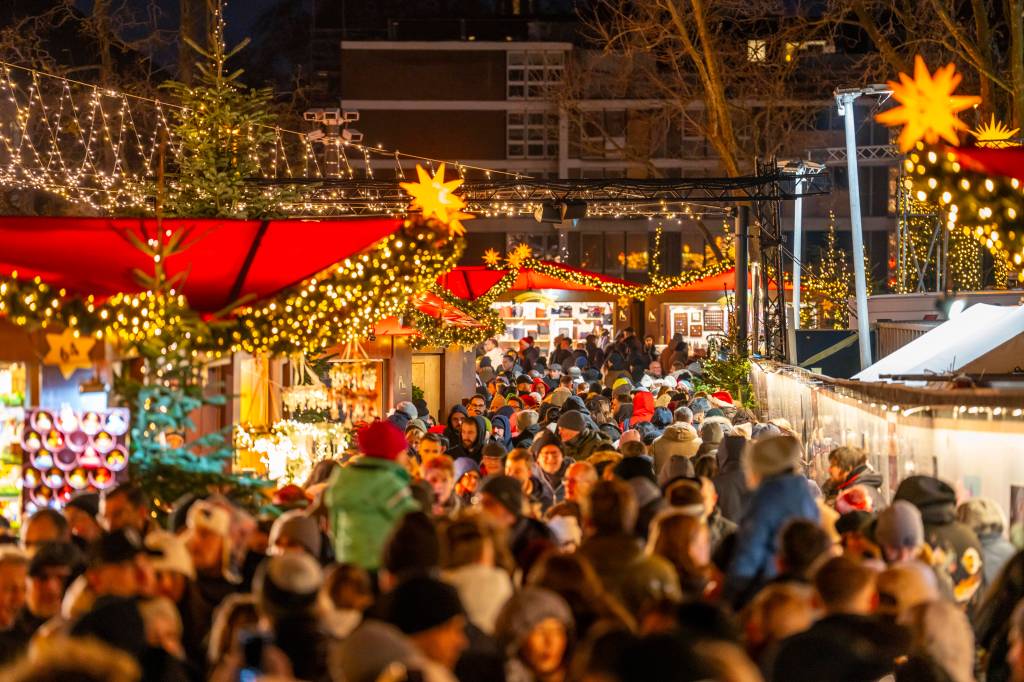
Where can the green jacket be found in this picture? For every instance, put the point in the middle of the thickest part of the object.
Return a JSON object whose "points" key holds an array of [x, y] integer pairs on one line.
{"points": [[365, 500], [585, 444]]}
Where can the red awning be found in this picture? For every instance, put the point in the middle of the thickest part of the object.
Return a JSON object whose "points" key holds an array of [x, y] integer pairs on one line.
{"points": [[1007, 162], [472, 281], [224, 259]]}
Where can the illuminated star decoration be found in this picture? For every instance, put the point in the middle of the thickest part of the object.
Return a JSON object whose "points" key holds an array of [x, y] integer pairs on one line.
{"points": [[491, 257], [435, 198], [995, 134], [929, 110], [518, 255], [69, 352]]}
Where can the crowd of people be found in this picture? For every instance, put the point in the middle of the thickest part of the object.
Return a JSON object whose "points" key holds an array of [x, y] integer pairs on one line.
{"points": [[590, 515]]}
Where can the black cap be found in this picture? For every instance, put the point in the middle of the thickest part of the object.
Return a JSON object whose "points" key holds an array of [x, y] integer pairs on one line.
{"points": [[506, 490], [86, 502], [117, 547], [54, 554], [421, 603]]}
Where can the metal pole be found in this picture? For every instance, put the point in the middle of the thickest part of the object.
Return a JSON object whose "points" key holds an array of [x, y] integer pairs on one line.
{"points": [[742, 263], [798, 248], [860, 282]]}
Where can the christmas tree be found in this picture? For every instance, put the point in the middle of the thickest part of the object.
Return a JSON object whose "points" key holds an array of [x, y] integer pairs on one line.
{"points": [[828, 283], [221, 128]]}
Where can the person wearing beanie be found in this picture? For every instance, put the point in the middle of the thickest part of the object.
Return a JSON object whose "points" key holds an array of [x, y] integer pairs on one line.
{"points": [[365, 499], [429, 612], [580, 440], [534, 630], [955, 548], [899, 532], [295, 531], [558, 396], [731, 479], [527, 428], [711, 436], [984, 516], [467, 479], [492, 459], [503, 503], [780, 495], [82, 511], [552, 463], [286, 589]]}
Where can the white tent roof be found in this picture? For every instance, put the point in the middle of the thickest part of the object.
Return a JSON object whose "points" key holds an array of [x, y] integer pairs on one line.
{"points": [[982, 339]]}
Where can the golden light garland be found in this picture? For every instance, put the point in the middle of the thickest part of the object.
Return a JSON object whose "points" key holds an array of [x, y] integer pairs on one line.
{"points": [[521, 257], [341, 304]]}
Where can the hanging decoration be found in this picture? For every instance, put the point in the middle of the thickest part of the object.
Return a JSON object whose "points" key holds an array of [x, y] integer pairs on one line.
{"points": [[521, 257], [977, 190], [68, 351], [995, 134], [928, 108]]}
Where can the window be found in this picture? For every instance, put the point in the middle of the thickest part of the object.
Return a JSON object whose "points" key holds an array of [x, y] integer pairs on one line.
{"points": [[592, 251], [531, 135], [603, 134], [757, 50], [533, 75]]}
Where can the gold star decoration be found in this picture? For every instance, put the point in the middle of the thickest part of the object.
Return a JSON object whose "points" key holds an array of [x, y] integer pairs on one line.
{"points": [[491, 258], [929, 108], [994, 134], [518, 255], [436, 198], [68, 352]]}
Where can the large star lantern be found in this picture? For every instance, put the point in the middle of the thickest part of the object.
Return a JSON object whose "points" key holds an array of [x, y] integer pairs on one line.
{"points": [[518, 256], [929, 108], [68, 351], [436, 198]]}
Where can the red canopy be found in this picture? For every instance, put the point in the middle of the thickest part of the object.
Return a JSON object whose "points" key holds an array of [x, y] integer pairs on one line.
{"points": [[1007, 162], [472, 281], [223, 259]]}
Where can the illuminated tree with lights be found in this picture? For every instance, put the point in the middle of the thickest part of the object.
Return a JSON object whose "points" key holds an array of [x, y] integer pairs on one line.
{"points": [[222, 127], [828, 284]]}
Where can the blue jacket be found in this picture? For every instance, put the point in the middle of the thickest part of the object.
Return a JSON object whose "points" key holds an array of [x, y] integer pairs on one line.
{"points": [[775, 502]]}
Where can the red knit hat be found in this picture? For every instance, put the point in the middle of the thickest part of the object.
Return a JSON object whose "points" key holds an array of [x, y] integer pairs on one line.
{"points": [[382, 439], [722, 399]]}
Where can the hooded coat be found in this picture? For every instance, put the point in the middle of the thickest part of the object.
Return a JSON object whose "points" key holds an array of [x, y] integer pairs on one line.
{"points": [[956, 549], [474, 451], [616, 368], [585, 443], [453, 434], [502, 421], [777, 500], [364, 500], [731, 481], [677, 440], [865, 477], [643, 408]]}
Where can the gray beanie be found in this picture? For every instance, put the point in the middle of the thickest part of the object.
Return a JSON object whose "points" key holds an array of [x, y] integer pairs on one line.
{"points": [[900, 525], [408, 408], [523, 612], [573, 420], [774, 456], [526, 418], [300, 529]]}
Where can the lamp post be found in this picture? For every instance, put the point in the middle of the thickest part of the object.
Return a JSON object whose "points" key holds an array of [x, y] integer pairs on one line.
{"points": [[844, 102]]}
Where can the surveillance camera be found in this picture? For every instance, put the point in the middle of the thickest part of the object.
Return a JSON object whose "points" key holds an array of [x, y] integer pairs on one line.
{"points": [[332, 116], [350, 115], [352, 135], [313, 114], [315, 135]]}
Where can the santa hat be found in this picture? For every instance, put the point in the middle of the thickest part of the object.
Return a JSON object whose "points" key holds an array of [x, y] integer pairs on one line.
{"points": [[721, 399]]}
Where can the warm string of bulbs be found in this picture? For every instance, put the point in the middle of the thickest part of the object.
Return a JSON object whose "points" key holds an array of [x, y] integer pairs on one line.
{"points": [[987, 208]]}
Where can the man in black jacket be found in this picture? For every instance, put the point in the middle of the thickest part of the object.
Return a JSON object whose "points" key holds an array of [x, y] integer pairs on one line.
{"points": [[848, 467]]}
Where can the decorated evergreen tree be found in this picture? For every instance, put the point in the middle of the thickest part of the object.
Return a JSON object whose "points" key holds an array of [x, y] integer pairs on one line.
{"points": [[221, 128], [829, 283]]}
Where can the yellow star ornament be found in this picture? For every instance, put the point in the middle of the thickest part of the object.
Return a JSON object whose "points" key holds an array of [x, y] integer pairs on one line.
{"points": [[435, 198], [68, 352], [994, 134], [518, 255], [929, 108], [491, 258]]}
